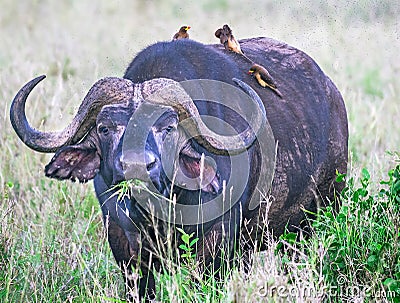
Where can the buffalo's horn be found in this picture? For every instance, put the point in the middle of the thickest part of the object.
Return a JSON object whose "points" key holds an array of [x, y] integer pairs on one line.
{"points": [[104, 91], [170, 93]]}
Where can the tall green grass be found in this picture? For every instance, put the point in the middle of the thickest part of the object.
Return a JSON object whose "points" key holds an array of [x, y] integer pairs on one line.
{"points": [[349, 255], [53, 245], [361, 259]]}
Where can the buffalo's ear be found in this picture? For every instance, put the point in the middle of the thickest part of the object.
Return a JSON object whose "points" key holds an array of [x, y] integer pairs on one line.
{"points": [[75, 162], [191, 167]]}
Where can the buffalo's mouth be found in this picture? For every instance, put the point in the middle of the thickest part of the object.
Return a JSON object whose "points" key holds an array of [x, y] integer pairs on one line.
{"points": [[195, 174]]}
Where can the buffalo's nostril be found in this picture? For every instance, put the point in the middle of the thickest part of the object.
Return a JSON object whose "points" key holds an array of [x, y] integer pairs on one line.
{"points": [[151, 161], [119, 169]]}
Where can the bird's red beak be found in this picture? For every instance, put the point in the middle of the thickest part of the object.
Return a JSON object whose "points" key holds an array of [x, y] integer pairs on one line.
{"points": [[250, 72], [187, 27]]}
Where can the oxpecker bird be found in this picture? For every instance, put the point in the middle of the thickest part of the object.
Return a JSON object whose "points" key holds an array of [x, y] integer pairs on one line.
{"points": [[182, 33], [227, 39], [264, 78]]}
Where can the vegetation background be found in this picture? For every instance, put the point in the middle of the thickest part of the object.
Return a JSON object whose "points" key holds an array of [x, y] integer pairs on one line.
{"points": [[52, 242]]}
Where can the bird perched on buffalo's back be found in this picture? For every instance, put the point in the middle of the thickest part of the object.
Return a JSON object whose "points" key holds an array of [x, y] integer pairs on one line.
{"points": [[182, 33], [227, 39], [264, 78]]}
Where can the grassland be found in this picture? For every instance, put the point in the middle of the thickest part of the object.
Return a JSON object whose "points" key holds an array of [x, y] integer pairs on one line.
{"points": [[52, 243]]}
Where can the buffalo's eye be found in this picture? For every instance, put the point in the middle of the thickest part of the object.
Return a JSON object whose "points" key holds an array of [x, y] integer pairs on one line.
{"points": [[169, 128], [103, 130]]}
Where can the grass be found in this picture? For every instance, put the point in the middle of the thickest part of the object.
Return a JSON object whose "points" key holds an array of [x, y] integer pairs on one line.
{"points": [[352, 255], [361, 244], [53, 245]]}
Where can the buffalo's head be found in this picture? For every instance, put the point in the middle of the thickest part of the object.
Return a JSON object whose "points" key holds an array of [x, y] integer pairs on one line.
{"points": [[93, 143]]}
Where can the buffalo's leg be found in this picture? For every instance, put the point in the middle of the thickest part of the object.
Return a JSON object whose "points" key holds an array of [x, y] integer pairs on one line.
{"points": [[127, 257]]}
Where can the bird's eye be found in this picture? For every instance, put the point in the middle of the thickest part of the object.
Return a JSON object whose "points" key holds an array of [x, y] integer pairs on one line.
{"points": [[104, 130]]}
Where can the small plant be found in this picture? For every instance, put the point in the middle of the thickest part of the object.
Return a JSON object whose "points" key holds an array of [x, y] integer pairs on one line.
{"points": [[186, 281], [188, 246], [183, 281]]}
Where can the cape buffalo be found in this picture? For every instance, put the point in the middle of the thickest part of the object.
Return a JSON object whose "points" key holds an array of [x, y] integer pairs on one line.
{"points": [[309, 131]]}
